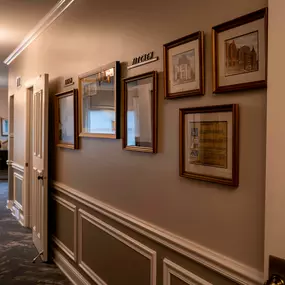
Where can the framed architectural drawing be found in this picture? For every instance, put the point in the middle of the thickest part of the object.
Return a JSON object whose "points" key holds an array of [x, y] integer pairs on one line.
{"points": [[99, 100], [184, 66], [140, 113], [209, 144], [240, 53], [66, 119], [4, 127]]}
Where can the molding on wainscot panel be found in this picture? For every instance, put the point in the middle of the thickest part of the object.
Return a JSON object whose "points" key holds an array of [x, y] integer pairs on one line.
{"points": [[41, 26], [71, 273], [171, 268], [18, 167], [125, 239], [236, 271], [71, 207]]}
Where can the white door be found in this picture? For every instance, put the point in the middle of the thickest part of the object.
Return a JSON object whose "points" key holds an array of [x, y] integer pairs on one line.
{"points": [[39, 165]]}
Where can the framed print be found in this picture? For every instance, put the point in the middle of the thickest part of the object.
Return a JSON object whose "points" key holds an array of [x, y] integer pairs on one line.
{"points": [[99, 99], [209, 144], [240, 53], [66, 119], [184, 66], [4, 127], [140, 113]]}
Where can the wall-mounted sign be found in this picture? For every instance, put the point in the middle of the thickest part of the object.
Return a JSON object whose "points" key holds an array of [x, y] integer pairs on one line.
{"points": [[18, 81], [68, 81], [143, 59]]}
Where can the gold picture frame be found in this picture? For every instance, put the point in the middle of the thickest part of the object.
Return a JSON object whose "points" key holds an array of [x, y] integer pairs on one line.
{"points": [[99, 102], [140, 113], [240, 53], [209, 143], [66, 119]]}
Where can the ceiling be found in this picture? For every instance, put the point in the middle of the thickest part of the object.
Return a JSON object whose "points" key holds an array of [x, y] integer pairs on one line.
{"points": [[17, 18]]}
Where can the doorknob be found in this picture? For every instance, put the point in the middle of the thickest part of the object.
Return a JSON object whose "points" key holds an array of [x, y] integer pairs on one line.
{"points": [[40, 177], [275, 280]]}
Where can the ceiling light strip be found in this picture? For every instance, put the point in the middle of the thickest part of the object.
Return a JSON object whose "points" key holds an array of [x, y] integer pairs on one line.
{"points": [[41, 26]]}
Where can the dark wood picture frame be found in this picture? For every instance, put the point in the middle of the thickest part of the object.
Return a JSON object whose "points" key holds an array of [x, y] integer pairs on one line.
{"points": [[186, 39], [234, 109], [117, 99], [4, 133], [74, 93], [217, 88], [153, 148]]}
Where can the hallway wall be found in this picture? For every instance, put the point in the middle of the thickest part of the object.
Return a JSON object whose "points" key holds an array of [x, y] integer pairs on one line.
{"points": [[226, 220]]}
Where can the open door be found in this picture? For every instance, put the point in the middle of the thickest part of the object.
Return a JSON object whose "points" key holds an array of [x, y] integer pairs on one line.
{"points": [[39, 166]]}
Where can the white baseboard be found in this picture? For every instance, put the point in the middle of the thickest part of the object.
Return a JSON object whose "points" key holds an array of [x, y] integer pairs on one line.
{"points": [[70, 271], [9, 204], [231, 269]]}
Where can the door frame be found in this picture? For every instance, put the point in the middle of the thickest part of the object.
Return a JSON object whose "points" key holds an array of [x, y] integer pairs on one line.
{"points": [[27, 205]]}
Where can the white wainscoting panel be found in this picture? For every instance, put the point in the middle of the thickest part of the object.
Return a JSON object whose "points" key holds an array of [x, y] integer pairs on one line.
{"points": [[232, 269], [71, 207], [171, 268], [72, 274], [17, 178], [128, 241]]}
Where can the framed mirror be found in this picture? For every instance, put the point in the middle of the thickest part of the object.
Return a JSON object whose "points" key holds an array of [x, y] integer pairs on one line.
{"points": [[140, 113], [4, 127], [99, 99], [66, 119]]}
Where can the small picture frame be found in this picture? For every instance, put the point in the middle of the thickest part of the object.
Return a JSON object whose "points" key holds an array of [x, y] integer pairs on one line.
{"points": [[240, 53], [66, 119], [209, 143], [4, 127], [99, 102], [140, 113], [184, 66]]}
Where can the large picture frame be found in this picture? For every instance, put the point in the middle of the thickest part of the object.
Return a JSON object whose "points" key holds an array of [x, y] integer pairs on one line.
{"points": [[4, 127], [184, 66], [209, 143], [240, 53], [140, 113], [99, 102], [66, 119]]}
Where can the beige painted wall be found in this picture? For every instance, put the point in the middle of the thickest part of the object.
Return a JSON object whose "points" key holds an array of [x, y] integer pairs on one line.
{"points": [[275, 154], [229, 221]]}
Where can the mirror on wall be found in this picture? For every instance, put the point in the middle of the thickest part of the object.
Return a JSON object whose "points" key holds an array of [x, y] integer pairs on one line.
{"points": [[140, 112], [99, 96]]}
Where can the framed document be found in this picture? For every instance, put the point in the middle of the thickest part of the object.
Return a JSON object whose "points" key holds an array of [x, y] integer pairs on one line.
{"points": [[184, 66], [209, 143], [66, 119], [4, 127], [99, 100], [240, 53], [140, 113]]}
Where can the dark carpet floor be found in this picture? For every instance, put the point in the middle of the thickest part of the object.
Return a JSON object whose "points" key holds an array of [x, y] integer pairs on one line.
{"points": [[17, 252]]}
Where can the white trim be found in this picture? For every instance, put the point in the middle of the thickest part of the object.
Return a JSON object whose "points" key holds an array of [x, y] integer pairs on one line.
{"points": [[18, 167], [63, 247], [41, 26], [125, 239], [171, 268], [234, 270], [9, 204], [65, 266], [71, 207]]}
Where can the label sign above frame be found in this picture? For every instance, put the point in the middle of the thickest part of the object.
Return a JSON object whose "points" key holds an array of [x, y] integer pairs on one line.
{"points": [[143, 59]]}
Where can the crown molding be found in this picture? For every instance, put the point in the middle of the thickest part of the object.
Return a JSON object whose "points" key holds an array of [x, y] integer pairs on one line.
{"points": [[41, 26]]}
